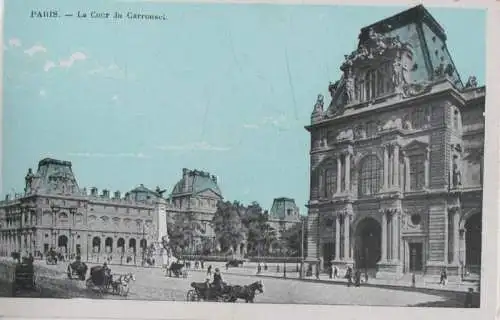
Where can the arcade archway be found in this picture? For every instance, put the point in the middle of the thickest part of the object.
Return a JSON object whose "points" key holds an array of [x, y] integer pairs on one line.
{"points": [[473, 229], [368, 240], [62, 243]]}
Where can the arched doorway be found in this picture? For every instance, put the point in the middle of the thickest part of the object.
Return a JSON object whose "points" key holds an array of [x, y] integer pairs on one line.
{"points": [[96, 244], [108, 243], [121, 245], [62, 243], [473, 228], [131, 245], [368, 244]]}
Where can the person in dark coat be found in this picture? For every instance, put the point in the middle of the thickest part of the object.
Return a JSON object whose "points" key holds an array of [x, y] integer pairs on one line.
{"points": [[330, 272], [348, 276], [209, 270], [335, 272], [443, 277], [468, 299], [357, 278], [218, 283]]}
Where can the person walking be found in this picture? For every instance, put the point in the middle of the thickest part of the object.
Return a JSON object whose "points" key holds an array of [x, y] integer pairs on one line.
{"points": [[317, 272], [330, 272], [209, 270], [443, 277], [335, 272], [259, 268]]}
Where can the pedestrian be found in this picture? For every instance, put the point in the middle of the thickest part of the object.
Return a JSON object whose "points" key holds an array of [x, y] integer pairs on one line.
{"points": [[330, 272], [413, 280], [317, 272], [335, 272], [348, 276], [443, 277], [265, 266], [468, 298], [227, 266], [202, 264], [209, 270], [259, 268], [357, 278]]}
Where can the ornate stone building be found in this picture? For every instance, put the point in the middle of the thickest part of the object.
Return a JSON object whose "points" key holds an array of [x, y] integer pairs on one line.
{"points": [[284, 214], [197, 193], [397, 156], [54, 212]]}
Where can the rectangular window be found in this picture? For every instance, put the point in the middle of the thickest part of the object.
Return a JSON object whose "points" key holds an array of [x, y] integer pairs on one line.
{"points": [[417, 172]]}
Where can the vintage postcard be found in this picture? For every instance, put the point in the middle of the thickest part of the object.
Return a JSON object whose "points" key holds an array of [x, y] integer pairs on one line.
{"points": [[223, 154]]}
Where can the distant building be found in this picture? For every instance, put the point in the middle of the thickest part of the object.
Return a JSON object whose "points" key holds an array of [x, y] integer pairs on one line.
{"points": [[54, 212], [197, 193], [397, 156], [284, 214]]}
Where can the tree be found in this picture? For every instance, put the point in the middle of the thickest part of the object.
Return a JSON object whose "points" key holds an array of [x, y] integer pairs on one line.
{"points": [[183, 228], [292, 238], [228, 225]]}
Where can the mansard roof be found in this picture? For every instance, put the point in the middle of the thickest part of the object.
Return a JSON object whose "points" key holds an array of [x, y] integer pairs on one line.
{"points": [[52, 176], [408, 51], [280, 207], [194, 182]]}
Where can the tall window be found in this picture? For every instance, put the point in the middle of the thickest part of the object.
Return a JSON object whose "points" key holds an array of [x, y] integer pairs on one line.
{"points": [[370, 85], [420, 117], [456, 119], [371, 129], [417, 172], [370, 176], [330, 181]]}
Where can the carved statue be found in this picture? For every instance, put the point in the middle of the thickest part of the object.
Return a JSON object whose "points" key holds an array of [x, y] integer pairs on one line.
{"points": [[396, 73], [457, 176], [360, 132], [349, 87], [345, 135], [471, 82], [28, 180], [318, 107], [332, 88], [160, 192], [407, 125]]}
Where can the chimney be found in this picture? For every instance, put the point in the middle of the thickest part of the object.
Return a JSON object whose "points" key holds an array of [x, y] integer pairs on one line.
{"points": [[93, 191], [105, 194], [185, 176], [214, 178], [117, 195]]}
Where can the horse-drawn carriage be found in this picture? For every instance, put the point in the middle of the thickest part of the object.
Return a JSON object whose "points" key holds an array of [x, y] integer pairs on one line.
{"points": [[102, 280], [207, 292], [24, 277], [176, 269], [77, 269], [51, 257]]}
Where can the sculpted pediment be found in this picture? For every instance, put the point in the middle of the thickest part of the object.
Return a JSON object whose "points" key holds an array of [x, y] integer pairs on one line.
{"points": [[209, 193]]}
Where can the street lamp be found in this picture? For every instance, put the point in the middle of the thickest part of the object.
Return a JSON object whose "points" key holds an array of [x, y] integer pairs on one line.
{"points": [[72, 211], [302, 250]]}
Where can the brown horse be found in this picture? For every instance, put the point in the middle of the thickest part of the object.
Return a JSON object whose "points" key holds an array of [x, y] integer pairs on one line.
{"points": [[246, 293]]}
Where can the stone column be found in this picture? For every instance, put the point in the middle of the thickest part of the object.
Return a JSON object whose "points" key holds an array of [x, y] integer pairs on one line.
{"points": [[347, 172], [386, 168], [312, 238], [427, 170], [395, 235], [395, 172], [407, 173], [337, 238], [384, 237], [456, 237], [347, 224], [446, 236], [339, 174]]}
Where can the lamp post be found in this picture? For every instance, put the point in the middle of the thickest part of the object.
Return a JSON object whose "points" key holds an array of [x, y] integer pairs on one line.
{"points": [[302, 251], [72, 211]]}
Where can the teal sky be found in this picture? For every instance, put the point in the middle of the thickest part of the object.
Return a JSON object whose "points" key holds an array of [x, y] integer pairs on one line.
{"points": [[224, 88]]}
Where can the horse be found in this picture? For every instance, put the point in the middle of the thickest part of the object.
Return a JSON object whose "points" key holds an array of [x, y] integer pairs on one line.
{"points": [[77, 268], [120, 286], [246, 293]]}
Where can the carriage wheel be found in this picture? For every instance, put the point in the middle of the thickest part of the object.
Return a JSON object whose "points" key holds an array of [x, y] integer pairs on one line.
{"points": [[192, 296]]}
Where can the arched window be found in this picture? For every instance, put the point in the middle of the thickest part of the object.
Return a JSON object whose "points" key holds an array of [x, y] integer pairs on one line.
{"points": [[370, 176], [370, 84], [330, 181]]}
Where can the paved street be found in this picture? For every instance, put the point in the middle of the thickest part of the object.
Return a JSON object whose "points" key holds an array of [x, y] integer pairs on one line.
{"points": [[152, 284]]}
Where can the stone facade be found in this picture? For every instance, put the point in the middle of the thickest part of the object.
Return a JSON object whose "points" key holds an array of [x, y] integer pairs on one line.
{"points": [[197, 192], [284, 214], [54, 212], [397, 157]]}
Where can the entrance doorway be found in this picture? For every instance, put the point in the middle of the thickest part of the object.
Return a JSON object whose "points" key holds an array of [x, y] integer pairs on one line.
{"points": [[416, 262], [328, 254], [368, 244], [473, 228]]}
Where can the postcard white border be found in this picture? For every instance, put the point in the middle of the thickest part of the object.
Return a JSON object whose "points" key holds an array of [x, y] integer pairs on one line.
{"points": [[129, 309]]}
